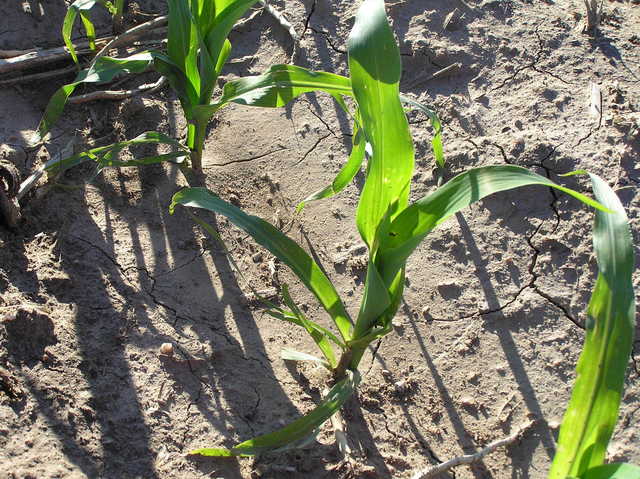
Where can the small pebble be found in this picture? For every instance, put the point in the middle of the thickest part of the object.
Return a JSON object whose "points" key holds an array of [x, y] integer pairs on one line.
{"points": [[468, 402], [554, 424], [166, 349]]}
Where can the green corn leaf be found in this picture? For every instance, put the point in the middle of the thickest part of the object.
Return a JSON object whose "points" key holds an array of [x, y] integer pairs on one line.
{"points": [[374, 63], [298, 431], [104, 155], [79, 7], [187, 95], [290, 317], [612, 471], [593, 409], [215, 40], [436, 142], [104, 70], [375, 316], [293, 355], [277, 243], [280, 85], [375, 301], [346, 173], [182, 44], [407, 231], [318, 335]]}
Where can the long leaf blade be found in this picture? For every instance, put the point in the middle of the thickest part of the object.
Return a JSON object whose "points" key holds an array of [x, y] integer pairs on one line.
{"points": [[280, 85], [296, 432], [593, 409], [407, 231], [375, 67], [284, 248]]}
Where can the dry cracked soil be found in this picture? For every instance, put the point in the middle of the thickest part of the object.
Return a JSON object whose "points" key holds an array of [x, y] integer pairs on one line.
{"points": [[98, 275]]}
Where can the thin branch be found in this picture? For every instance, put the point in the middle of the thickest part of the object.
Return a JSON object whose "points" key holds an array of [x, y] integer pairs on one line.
{"points": [[282, 20], [35, 58], [129, 35], [118, 94], [40, 76], [471, 458]]}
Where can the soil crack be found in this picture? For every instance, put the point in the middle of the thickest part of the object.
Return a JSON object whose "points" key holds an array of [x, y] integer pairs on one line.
{"points": [[531, 65], [315, 145], [256, 157], [327, 38]]}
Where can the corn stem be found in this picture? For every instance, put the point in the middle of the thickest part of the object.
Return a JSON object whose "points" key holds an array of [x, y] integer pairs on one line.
{"points": [[197, 131]]}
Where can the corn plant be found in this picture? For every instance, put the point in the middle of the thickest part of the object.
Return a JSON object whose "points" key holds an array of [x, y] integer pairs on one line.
{"points": [[392, 229], [197, 49], [81, 8]]}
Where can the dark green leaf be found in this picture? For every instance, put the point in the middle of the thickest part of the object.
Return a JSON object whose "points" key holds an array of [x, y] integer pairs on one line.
{"points": [[104, 70], [77, 7]]}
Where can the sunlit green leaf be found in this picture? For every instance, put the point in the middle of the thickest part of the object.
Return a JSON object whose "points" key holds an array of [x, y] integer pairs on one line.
{"points": [[374, 64], [593, 410], [284, 248], [415, 222]]}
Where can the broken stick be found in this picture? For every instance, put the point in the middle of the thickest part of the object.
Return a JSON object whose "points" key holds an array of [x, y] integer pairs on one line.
{"points": [[471, 458]]}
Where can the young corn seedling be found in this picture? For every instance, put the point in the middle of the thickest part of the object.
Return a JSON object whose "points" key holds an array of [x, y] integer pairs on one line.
{"points": [[392, 229], [197, 49], [81, 8]]}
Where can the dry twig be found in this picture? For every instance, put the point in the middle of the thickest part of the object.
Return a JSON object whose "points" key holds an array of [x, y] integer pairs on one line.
{"points": [[36, 58], [281, 19], [118, 94], [471, 458], [129, 35]]}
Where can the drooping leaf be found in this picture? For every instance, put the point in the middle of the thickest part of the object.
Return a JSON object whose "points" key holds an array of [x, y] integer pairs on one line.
{"points": [[284, 248], [346, 173], [375, 67], [593, 409], [407, 231], [105, 69], [280, 85], [293, 355], [298, 431], [318, 335], [436, 141], [106, 156]]}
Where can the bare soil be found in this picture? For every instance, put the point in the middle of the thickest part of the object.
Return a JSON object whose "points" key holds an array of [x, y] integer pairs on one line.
{"points": [[98, 274]]}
